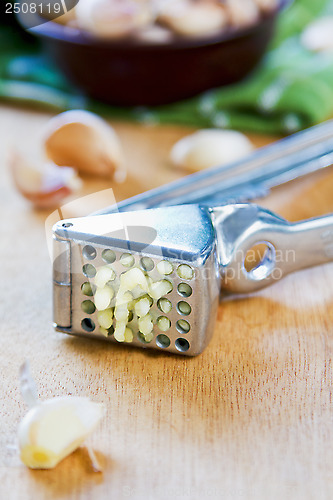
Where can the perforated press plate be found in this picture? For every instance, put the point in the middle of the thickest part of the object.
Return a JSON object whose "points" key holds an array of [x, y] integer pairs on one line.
{"points": [[97, 270]]}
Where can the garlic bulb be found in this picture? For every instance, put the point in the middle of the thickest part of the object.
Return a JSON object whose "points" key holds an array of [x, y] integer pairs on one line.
{"points": [[210, 148], [84, 141], [193, 19], [318, 35], [113, 18], [45, 185], [54, 428]]}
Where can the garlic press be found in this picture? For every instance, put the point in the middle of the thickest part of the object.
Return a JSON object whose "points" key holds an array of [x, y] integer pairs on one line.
{"points": [[152, 278]]}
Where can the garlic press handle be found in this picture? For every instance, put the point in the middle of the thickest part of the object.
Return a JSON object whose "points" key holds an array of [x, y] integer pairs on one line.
{"points": [[288, 246]]}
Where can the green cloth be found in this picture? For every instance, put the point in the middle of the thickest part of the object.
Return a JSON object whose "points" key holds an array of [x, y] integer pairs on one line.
{"points": [[290, 90]]}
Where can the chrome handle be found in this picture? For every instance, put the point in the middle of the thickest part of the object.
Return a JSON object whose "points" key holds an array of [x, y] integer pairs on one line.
{"points": [[290, 158], [289, 246]]}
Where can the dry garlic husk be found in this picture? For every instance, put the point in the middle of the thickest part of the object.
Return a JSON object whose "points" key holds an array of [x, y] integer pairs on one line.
{"points": [[193, 19], [44, 185], [113, 18], [209, 148], [84, 141], [54, 428], [318, 35]]}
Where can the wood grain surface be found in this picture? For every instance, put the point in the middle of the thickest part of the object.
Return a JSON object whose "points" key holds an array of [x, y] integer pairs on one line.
{"points": [[250, 418]]}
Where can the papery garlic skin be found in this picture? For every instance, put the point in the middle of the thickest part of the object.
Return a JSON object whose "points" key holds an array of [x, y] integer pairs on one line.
{"points": [[84, 141], [46, 185], [210, 148], [54, 428]]}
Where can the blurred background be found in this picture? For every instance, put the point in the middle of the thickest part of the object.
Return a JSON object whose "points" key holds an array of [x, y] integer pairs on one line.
{"points": [[97, 90], [255, 65]]}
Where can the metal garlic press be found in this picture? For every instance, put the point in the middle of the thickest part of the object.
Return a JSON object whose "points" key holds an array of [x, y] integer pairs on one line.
{"points": [[152, 277], [180, 259]]}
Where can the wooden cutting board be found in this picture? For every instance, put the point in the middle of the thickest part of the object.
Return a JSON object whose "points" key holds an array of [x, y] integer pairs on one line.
{"points": [[250, 418]]}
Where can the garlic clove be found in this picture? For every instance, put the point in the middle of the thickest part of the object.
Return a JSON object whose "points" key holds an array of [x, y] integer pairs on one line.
{"points": [[193, 19], [267, 5], [242, 13], [210, 148], [84, 141], [45, 186], [113, 18], [318, 35], [154, 34], [54, 428]]}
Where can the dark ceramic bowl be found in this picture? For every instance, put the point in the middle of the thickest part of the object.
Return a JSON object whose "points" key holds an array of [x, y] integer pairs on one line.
{"points": [[125, 72]]}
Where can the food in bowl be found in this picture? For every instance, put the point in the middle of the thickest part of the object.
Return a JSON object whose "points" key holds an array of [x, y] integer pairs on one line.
{"points": [[134, 53], [162, 21]]}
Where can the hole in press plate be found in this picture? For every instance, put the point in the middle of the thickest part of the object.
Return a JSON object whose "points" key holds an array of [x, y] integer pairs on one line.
{"points": [[164, 267], [89, 252], [259, 261], [147, 264], [164, 305], [89, 270], [184, 290], [185, 272], [163, 323], [127, 260], [182, 345], [183, 326], [184, 308], [88, 307], [108, 256], [88, 325], [88, 289], [162, 341]]}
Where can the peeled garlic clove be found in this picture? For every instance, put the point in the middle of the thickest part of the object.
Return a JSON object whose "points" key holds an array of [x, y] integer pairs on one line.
{"points": [[53, 429], [318, 35], [210, 148], [45, 186], [242, 12], [113, 18], [154, 34], [84, 141], [193, 19]]}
